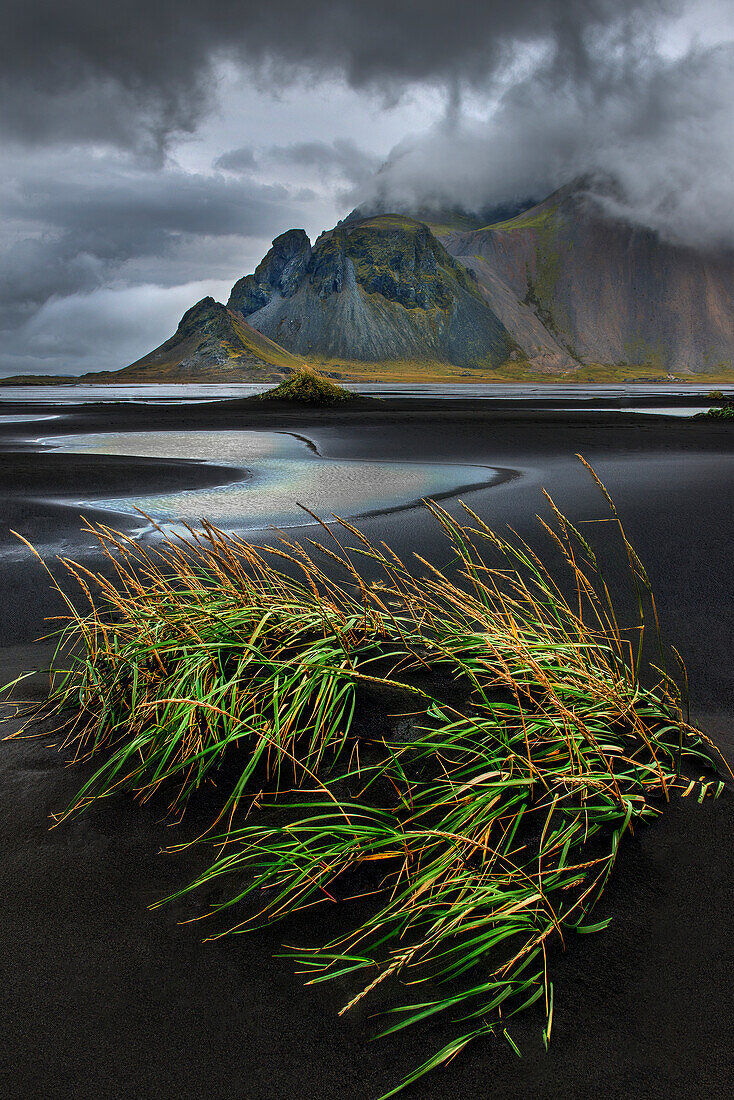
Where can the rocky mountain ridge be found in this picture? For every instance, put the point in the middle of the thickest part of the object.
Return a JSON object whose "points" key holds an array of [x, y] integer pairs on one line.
{"points": [[558, 288], [377, 289], [212, 343], [605, 290]]}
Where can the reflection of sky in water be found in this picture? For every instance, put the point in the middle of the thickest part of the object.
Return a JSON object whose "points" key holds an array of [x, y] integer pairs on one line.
{"points": [[653, 410], [282, 472], [673, 410], [187, 392]]}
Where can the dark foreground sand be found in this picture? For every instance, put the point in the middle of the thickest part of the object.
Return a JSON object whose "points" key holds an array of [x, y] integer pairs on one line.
{"points": [[101, 998]]}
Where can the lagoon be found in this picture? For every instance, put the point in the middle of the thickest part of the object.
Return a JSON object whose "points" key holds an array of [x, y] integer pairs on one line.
{"points": [[282, 474]]}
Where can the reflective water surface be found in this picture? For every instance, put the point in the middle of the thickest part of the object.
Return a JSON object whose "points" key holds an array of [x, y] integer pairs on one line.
{"points": [[279, 473], [562, 392]]}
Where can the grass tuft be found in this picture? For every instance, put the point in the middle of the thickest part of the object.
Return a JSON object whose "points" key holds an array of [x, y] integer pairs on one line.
{"points": [[719, 412], [477, 831], [306, 387]]}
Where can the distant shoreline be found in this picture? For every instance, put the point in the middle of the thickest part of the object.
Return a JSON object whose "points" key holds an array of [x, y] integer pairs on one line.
{"points": [[606, 376]]}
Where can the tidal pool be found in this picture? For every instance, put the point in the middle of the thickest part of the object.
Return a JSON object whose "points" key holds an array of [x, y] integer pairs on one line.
{"points": [[281, 473]]}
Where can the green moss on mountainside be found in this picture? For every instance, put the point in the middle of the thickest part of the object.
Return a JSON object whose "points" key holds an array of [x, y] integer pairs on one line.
{"points": [[405, 264], [393, 256], [535, 218]]}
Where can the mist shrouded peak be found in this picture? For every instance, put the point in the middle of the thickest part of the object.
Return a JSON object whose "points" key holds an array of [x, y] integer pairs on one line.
{"points": [[150, 143], [659, 127]]}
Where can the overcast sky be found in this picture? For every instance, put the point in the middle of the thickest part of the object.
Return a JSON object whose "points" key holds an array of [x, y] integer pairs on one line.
{"points": [[153, 148]]}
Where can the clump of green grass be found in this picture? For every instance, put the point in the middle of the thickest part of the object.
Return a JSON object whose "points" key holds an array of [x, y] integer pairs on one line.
{"points": [[478, 838], [306, 387], [720, 412]]}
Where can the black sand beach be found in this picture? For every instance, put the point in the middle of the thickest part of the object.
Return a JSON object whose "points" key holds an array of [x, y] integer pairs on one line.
{"points": [[102, 998]]}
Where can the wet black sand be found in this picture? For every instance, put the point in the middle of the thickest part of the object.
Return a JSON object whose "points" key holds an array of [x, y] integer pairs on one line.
{"points": [[99, 997]]}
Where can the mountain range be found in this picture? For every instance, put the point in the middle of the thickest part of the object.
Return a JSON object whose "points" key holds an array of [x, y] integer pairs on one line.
{"points": [[566, 285]]}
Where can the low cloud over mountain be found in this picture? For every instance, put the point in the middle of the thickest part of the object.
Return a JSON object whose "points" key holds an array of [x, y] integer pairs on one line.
{"points": [[149, 145]]}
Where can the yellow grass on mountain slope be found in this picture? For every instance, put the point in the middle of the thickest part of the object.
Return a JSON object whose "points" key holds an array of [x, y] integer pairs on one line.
{"points": [[218, 349], [263, 346], [410, 371]]}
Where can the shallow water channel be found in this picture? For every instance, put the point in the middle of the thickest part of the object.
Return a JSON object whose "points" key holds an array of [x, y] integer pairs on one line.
{"points": [[280, 473]]}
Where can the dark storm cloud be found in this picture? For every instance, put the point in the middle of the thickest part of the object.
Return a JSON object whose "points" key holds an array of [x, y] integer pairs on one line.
{"points": [[660, 127], [116, 217], [98, 258], [87, 225], [138, 70]]}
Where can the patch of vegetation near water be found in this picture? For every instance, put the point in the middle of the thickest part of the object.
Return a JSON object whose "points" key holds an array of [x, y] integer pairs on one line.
{"points": [[306, 387], [722, 411], [482, 826]]}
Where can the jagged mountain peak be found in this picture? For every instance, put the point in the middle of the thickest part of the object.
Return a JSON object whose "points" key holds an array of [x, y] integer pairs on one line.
{"points": [[555, 285], [213, 343], [389, 254], [207, 311], [375, 288], [280, 271]]}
